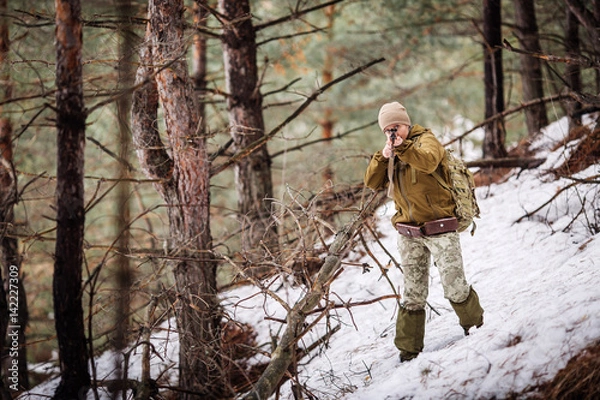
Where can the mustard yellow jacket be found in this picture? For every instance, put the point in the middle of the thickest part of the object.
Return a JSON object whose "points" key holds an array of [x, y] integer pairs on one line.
{"points": [[418, 196]]}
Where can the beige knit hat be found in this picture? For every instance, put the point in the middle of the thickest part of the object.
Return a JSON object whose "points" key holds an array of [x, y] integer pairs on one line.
{"points": [[393, 114]]}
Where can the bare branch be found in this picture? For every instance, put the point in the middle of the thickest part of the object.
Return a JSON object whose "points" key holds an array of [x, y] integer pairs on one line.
{"points": [[285, 351], [320, 140], [591, 180], [271, 39], [581, 61], [351, 304], [294, 15], [509, 162], [513, 110], [105, 149], [258, 143]]}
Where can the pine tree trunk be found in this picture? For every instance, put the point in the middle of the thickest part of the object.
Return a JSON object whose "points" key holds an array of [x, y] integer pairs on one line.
{"points": [[493, 143], [572, 70], [124, 274], [184, 176], [596, 13], [536, 117], [70, 123], [327, 121], [13, 301], [199, 59], [244, 102]]}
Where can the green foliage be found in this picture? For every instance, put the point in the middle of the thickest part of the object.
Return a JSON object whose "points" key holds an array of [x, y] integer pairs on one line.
{"points": [[433, 66]]}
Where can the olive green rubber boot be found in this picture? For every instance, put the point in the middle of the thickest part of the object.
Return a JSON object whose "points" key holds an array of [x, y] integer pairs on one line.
{"points": [[469, 312], [410, 333]]}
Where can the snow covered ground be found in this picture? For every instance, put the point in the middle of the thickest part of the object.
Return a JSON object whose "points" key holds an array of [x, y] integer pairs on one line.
{"points": [[538, 281]]}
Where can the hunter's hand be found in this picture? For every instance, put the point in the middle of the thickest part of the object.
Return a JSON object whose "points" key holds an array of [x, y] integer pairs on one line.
{"points": [[388, 150]]}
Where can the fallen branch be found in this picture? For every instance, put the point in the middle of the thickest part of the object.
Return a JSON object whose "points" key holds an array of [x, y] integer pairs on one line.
{"points": [[558, 193], [590, 181], [351, 304], [382, 269], [511, 162], [285, 351], [513, 110], [392, 260], [146, 387]]}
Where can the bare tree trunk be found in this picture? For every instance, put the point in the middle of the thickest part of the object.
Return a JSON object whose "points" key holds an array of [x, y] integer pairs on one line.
{"points": [[13, 304], [124, 274], [70, 123], [536, 117], [493, 143], [244, 102], [327, 122], [184, 175], [14, 307], [587, 19], [16, 299], [579, 14], [199, 59], [596, 13], [572, 70]]}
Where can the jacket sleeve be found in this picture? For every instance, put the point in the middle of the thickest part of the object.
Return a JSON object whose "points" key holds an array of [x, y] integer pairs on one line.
{"points": [[376, 175], [423, 153]]}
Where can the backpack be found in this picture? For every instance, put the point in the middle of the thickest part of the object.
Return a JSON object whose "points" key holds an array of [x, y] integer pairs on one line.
{"points": [[459, 181]]}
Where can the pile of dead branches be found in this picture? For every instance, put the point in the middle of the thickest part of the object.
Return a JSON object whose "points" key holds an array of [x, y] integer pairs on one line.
{"points": [[579, 379]]}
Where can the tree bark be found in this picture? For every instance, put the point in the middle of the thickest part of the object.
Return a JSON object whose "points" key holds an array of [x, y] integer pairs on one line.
{"points": [[536, 117], [244, 103], [572, 71], [70, 123], [184, 176], [124, 273], [327, 121], [596, 14], [13, 300], [588, 19], [199, 59], [493, 143]]}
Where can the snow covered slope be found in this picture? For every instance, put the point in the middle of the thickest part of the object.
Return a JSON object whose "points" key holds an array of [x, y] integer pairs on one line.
{"points": [[538, 282]]}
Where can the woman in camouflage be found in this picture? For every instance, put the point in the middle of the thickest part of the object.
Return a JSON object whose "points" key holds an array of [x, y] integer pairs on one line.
{"points": [[425, 221]]}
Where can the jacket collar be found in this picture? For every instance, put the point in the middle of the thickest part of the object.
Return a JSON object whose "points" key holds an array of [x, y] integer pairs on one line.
{"points": [[416, 130]]}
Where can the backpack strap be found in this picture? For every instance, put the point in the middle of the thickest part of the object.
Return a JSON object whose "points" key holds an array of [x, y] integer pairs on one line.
{"points": [[437, 175], [442, 183], [446, 186]]}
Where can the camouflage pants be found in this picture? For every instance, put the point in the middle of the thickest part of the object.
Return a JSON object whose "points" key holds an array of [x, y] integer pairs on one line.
{"points": [[416, 255]]}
